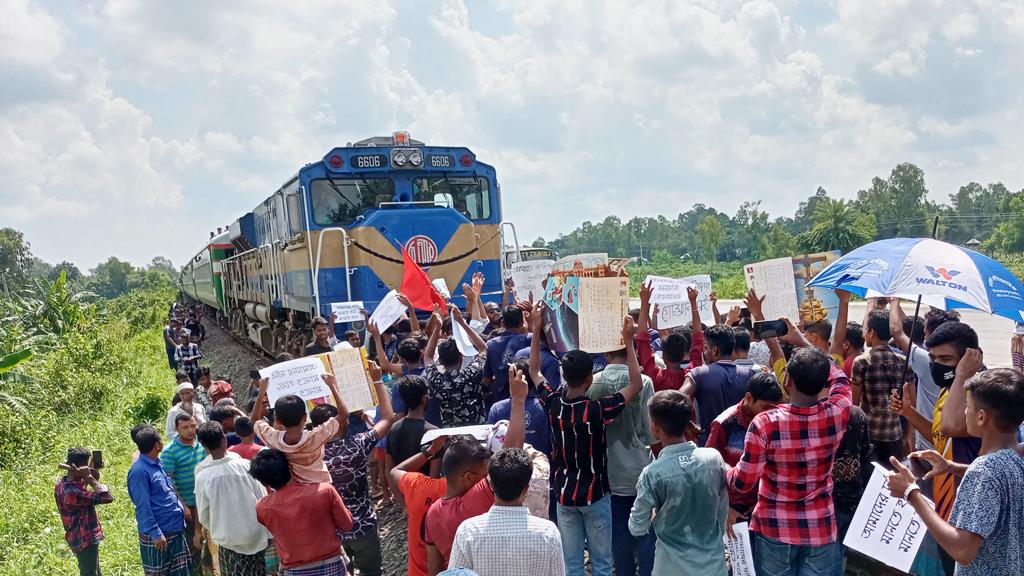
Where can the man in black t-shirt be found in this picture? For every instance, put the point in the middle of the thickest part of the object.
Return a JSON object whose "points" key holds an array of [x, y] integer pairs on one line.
{"points": [[321, 338], [405, 438]]}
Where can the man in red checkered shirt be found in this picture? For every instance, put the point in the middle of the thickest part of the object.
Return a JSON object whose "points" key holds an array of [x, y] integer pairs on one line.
{"points": [[77, 495], [790, 450]]}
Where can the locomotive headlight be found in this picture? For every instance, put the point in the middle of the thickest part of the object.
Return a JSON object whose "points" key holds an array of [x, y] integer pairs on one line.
{"points": [[415, 158], [399, 158]]}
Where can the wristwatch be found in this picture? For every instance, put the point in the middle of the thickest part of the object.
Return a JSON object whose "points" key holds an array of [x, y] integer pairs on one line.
{"points": [[910, 490], [426, 452]]}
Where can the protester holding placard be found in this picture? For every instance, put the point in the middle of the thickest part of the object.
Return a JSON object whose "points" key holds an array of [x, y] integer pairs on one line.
{"points": [[985, 532], [673, 347], [458, 390], [720, 383], [304, 449]]}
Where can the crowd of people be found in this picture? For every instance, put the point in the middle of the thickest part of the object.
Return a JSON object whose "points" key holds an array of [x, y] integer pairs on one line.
{"points": [[637, 461]]}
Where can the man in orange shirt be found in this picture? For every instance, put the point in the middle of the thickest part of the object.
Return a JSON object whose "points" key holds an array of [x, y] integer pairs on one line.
{"points": [[419, 491]]}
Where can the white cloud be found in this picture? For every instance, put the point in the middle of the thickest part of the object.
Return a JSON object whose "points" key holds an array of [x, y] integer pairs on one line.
{"points": [[28, 34], [160, 121]]}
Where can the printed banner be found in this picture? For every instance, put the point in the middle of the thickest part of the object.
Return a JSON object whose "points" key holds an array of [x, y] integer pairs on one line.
{"points": [[740, 556], [677, 313], [347, 311], [773, 279], [814, 303], [885, 528], [581, 262], [389, 311], [529, 277]]}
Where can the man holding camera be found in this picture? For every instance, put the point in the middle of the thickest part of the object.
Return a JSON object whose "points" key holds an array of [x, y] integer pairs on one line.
{"points": [[77, 493]]}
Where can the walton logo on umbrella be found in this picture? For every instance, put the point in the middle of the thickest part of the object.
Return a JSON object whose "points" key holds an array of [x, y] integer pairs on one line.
{"points": [[942, 277]]}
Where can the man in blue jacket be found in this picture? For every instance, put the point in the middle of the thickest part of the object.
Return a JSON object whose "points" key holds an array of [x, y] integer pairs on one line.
{"points": [[158, 510]]}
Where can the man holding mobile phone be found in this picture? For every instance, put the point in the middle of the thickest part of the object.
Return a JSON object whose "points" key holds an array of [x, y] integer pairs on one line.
{"points": [[77, 494]]}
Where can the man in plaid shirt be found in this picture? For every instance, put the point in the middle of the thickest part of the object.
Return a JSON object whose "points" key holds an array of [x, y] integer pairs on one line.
{"points": [[875, 374], [790, 451], [77, 506]]}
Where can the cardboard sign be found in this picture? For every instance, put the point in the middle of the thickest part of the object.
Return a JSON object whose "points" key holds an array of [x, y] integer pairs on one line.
{"points": [[347, 311], [673, 312], [603, 304], [349, 367], [300, 377], [885, 528], [814, 303], [529, 277], [389, 311], [668, 290], [740, 555], [773, 279]]}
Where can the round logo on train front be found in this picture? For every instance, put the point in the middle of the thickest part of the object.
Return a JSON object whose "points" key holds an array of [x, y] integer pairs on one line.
{"points": [[421, 249]]}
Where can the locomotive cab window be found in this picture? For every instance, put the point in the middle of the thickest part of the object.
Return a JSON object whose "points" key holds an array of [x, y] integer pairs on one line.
{"points": [[340, 204], [470, 196]]}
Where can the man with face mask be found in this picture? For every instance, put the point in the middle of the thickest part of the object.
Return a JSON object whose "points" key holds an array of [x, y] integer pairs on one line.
{"points": [[953, 359]]}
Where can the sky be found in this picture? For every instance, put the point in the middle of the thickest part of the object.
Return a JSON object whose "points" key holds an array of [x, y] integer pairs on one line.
{"points": [[132, 128]]}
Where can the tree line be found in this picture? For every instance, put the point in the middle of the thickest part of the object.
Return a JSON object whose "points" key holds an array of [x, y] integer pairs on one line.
{"points": [[109, 279], [989, 218]]}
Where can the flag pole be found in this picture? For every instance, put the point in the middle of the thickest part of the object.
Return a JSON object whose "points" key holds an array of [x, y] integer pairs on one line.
{"points": [[917, 312]]}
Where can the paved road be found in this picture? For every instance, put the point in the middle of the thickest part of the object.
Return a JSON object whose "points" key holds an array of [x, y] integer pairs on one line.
{"points": [[993, 331]]}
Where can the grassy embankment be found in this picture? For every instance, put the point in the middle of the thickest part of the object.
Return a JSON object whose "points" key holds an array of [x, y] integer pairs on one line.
{"points": [[98, 369]]}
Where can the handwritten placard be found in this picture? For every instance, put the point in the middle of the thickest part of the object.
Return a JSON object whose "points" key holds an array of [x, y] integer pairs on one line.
{"points": [[300, 377], [347, 311], [388, 311], [672, 313], [354, 385], [774, 280], [740, 556], [528, 278], [885, 528], [668, 290], [603, 302]]}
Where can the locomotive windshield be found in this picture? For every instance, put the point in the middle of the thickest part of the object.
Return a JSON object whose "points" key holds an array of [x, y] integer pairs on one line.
{"points": [[469, 196], [338, 202]]}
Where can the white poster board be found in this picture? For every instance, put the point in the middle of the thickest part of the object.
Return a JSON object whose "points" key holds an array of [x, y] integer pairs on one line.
{"points": [[528, 277], [442, 286], [673, 311], [300, 377], [603, 303], [389, 311], [479, 431], [740, 556], [885, 528], [347, 311], [462, 339], [354, 385], [774, 280]]}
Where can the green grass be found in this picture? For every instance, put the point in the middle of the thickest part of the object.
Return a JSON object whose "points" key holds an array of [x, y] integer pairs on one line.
{"points": [[31, 536]]}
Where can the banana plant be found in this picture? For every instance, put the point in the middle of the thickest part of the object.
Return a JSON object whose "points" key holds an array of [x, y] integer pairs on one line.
{"points": [[8, 363]]}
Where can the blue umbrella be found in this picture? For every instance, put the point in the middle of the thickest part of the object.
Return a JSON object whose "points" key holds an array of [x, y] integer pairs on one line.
{"points": [[941, 274]]}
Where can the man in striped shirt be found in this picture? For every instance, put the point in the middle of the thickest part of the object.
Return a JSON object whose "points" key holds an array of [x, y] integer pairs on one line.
{"points": [[579, 448], [179, 459]]}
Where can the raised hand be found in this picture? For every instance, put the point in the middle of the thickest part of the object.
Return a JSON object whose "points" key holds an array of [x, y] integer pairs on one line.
{"points": [[692, 295], [970, 364], [517, 386], [628, 330], [733, 317], [374, 369], [478, 283], [404, 300], [646, 289]]}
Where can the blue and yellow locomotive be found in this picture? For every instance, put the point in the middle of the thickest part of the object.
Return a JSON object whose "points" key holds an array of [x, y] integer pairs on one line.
{"points": [[334, 231]]}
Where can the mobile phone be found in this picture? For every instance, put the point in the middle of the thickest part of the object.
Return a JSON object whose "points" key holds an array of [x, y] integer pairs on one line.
{"points": [[97, 459], [770, 329], [918, 467]]}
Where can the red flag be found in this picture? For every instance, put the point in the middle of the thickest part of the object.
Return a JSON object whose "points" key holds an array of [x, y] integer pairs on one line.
{"points": [[417, 287]]}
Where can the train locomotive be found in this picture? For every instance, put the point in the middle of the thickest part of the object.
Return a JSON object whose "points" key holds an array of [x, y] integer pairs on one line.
{"points": [[334, 233]]}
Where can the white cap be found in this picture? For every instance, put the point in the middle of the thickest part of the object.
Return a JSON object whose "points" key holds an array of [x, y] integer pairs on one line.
{"points": [[185, 386]]}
